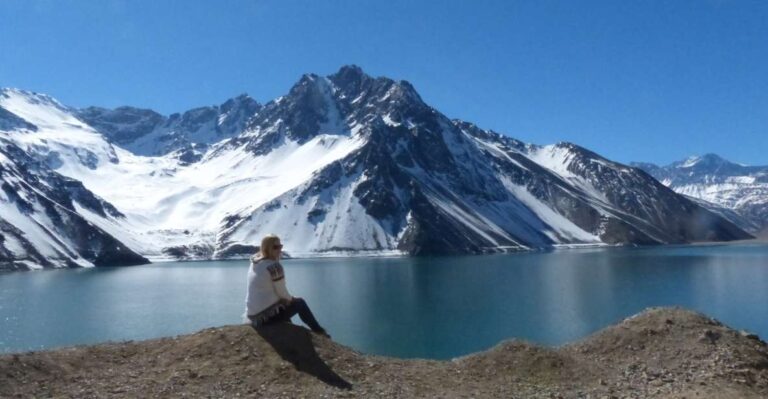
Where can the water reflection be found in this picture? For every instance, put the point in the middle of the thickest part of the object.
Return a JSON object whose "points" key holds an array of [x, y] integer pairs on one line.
{"points": [[411, 307]]}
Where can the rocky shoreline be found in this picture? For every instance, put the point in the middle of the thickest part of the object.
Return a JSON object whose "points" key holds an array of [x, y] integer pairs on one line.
{"points": [[659, 353]]}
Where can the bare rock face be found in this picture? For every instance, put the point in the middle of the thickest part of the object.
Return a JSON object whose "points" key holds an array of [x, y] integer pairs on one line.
{"points": [[659, 353]]}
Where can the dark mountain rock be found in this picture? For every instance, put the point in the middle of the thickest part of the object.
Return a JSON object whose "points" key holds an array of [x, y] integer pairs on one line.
{"points": [[9, 121], [308, 109]]}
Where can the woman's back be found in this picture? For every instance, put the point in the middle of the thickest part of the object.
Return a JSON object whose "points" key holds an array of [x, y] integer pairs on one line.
{"points": [[267, 299], [261, 294]]}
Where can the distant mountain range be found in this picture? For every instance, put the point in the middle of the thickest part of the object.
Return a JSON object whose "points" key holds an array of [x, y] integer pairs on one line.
{"points": [[342, 164], [737, 192]]}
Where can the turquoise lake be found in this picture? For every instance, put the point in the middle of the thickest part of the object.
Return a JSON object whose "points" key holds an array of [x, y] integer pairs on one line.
{"points": [[438, 307]]}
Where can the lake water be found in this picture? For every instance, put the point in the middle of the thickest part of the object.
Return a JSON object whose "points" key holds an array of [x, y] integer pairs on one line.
{"points": [[437, 307]]}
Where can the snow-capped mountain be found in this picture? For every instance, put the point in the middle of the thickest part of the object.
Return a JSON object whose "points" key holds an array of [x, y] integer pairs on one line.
{"points": [[738, 192], [39, 222], [346, 163], [421, 183]]}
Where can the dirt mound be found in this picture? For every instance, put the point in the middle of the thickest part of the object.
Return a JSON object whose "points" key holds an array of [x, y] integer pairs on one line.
{"points": [[659, 353]]}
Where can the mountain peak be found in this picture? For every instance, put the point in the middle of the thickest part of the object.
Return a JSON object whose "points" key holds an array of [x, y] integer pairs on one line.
{"points": [[34, 108], [240, 98], [12, 91], [308, 84], [30, 97], [706, 160], [351, 79], [244, 101], [350, 71]]}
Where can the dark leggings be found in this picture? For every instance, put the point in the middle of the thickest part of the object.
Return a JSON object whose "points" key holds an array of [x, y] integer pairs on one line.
{"points": [[297, 305]]}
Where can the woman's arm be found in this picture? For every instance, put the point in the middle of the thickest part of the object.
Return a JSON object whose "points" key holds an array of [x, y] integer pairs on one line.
{"points": [[278, 282]]}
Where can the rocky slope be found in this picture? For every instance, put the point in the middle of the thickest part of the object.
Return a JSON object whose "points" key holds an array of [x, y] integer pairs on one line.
{"points": [[39, 225], [739, 191], [660, 353]]}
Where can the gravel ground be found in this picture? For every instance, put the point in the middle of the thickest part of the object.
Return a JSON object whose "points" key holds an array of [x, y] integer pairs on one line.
{"points": [[659, 353]]}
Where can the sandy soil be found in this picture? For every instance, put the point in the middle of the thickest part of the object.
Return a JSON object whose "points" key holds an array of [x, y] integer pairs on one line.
{"points": [[660, 353]]}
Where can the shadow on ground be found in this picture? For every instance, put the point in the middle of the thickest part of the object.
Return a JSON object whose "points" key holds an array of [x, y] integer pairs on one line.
{"points": [[294, 345]]}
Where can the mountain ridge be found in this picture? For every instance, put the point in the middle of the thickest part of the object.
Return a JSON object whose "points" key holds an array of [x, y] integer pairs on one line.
{"points": [[740, 190], [345, 163], [188, 133]]}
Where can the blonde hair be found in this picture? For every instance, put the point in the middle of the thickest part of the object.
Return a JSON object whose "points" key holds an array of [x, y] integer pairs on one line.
{"points": [[266, 250]]}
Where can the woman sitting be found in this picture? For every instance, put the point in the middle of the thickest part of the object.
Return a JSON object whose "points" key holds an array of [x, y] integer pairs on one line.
{"points": [[267, 299]]}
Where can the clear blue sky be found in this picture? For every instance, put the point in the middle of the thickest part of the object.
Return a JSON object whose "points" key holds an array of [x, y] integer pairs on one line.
{"points": [[632, 80]]}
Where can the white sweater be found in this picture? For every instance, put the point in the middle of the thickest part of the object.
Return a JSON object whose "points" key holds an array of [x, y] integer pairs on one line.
{"points": [[266, 287]]}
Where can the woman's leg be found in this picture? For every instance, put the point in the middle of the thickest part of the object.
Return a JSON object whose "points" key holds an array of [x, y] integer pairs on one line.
{"points": [[300, 307]]}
